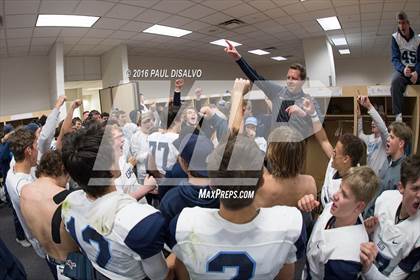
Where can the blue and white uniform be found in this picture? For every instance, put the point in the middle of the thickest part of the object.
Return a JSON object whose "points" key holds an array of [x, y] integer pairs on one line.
{"points": [[162, 148], [331, 184], [405, 53], [214, 248], [122, 239], [398, 244], [334, 253]]}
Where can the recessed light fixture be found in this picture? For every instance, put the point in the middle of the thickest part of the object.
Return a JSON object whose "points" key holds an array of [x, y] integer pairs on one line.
{"points": [[167, 31], [344, 51], [66, 20], [329, 23], [222, 42], [339, 41], [279, 58], [258, 52]]}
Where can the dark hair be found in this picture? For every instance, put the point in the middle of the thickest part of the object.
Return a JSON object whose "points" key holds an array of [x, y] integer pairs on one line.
{"points": [[410, 170], [104, 114], [50, 165], [401, 15], [353, 147], [236, 165], [286, 152], [402, 131], [42, 120], [301, 68], [74, 120], [21, 139], [88, 157], [58, 129]]}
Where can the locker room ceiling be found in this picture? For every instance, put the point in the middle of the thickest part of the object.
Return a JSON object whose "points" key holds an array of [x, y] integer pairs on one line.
{"points": [[367, 26]]}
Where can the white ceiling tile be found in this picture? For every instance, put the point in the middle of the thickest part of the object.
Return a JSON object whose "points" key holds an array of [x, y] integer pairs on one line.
{"points": [[270, 26], [46, 31], [93, 8], [216, 18], [254, 18], [110, 23], [82, 47], [348, 10], [2, 44], [152, 16], [316, 5], [73, 31], [99, 33], [89, 41], [275, 13], [17, 21], [394, 6], [240, 11], [339, 3], [57, 7], [221, 5], [174, 6], [2, 36], [284, 20], [123, 35], [18, 50], [371, 7], [175, 21], [197, 12], [349, 18], [41, 48], [135, 26], [141, 3], [19, 33], [21, 7], [196, 25], [296, 8], [322, 13], [262, 5], [124, 11], [370, 16], [111, 42], [18, 42], [43, 41]]}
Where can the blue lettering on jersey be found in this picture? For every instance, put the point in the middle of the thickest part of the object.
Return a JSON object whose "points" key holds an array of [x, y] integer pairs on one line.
{"points": [[382, 262], [160, 146], [89, 234], [104, 255], [244, 263]]}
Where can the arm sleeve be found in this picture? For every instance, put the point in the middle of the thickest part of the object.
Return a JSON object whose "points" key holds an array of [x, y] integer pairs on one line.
{"points": [[171, 240], [360, 133], [48, 131], [396, 57], [155, 266], [269, 88], [409, 262], [146, 238], [417, 66], [375, 274], [343, 270], [379, 123], [300, 245]]}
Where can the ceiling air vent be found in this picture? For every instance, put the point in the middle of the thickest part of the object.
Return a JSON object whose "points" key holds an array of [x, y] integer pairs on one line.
{"points": [[231, 24]]}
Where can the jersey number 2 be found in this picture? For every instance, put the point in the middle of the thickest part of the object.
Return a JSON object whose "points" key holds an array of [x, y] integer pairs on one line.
{"points": [[241, 260], [90, 235]]}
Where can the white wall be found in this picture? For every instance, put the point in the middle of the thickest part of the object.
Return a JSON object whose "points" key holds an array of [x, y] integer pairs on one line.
{"points": [[215, 77], [82, 68], [115, 66], [24, 85]]}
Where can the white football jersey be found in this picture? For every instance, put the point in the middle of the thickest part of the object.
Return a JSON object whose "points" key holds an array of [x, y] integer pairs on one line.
{"points": [[394, 241], [136, 234], [334, 251], [214, 248], [331, 184], [14, 184], [162, 148], [408, 49]]}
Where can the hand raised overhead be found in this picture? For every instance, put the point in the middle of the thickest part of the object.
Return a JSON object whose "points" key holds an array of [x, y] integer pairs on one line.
{"points": [[231, 50]]}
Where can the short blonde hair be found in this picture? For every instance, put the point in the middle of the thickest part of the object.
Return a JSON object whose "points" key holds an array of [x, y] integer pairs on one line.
{"points": [[363, 182]]}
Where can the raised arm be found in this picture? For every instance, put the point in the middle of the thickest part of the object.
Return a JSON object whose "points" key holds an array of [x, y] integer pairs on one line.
{"points": [[67, 125], [236, 115], [269, 88], [379, 122]]}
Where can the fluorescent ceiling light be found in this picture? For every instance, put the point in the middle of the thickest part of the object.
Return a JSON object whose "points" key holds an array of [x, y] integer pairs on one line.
{"points": [[279, 58], [167, 31], [222, 43], [344, 51], [66, 20], [258, 52], [329, 23], [339, 41]]}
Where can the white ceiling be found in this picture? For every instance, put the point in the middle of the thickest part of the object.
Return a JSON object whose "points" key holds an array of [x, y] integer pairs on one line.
{"points": [[366, 24]]}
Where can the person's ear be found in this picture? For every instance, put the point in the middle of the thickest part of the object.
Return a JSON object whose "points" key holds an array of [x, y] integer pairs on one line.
{"points": [[360, 206], [401, 188]]}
